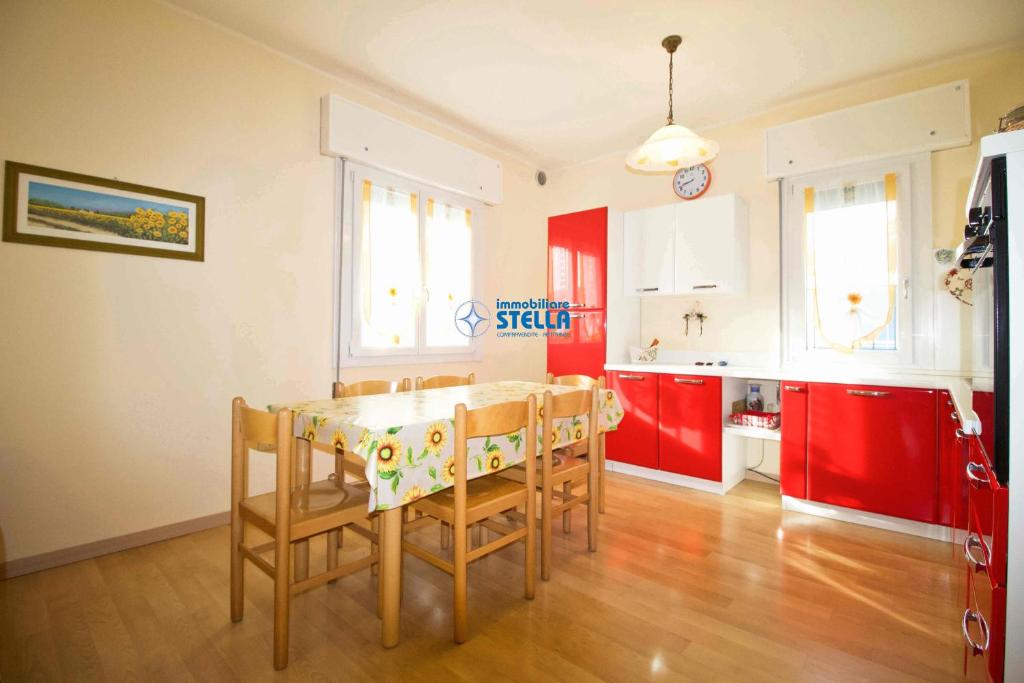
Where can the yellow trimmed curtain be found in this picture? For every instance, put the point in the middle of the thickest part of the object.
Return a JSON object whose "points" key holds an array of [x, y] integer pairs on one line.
{"points": [[852, 240], [448, 277], [389, 266]]}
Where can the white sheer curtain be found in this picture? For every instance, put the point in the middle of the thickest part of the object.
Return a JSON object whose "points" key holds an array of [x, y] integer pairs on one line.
{"points": [[389, 267], [852, 241], [448, 238]]}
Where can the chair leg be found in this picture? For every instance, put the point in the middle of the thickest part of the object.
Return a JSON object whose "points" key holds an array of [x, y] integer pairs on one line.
{"points": [[592, 505], [339, 474], [445, 536], [237, 566], [460, 615], [478, 535], [531, 546], [600, 474], [282, 600], [375, 528], [545, 532], [332, 550], [567, 515]]}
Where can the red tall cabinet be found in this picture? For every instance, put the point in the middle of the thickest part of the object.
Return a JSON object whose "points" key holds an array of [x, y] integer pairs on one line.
{"points": [[577, 273]]}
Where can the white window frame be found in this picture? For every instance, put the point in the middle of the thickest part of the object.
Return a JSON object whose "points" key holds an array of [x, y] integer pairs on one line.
{"points": [[914, 315], [348, 352]]}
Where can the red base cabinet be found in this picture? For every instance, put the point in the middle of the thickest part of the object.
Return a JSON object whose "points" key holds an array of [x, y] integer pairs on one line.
{"points": [[793, 451], [636, 439], [873, 449], [985, 551], [690, 425]]}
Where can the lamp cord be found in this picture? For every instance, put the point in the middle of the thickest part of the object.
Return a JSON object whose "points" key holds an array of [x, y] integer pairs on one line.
{"points": [[670, 56]]}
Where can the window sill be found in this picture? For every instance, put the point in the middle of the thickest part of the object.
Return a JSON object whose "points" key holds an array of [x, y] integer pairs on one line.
{"points": [[410, 359]]}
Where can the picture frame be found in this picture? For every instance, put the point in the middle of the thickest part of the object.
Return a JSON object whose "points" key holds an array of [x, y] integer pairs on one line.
{"points": [[50, 207]]}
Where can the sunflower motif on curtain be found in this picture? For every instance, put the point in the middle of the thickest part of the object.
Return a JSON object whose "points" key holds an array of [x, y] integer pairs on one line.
{"points": [[852, 239]]}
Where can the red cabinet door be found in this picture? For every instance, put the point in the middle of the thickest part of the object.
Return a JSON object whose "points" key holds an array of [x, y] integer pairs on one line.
{"points": [[582, 350], [636, 440], [983, 626], [577, 258], [952, 510], [690, 425], [793, 451], [988, 514], [874, 449]]}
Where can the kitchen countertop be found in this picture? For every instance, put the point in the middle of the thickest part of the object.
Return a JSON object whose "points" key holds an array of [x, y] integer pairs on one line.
{"points": [[958, 385]]}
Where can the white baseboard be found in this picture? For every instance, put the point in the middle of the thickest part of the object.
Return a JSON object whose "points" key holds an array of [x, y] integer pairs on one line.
{"points": [[841, 514], [87, 551], [706, 485]]}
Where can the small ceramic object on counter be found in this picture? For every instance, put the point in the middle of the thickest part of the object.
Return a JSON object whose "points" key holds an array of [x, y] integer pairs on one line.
{"points": [[646, 354]]}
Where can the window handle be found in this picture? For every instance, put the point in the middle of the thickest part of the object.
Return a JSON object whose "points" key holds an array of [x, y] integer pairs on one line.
{"points": [[906, 288]]}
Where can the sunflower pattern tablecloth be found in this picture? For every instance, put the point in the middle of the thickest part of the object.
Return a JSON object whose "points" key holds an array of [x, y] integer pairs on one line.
{"points": [[406, 438]]}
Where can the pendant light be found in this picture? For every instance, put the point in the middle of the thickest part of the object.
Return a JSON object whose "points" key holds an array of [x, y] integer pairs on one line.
{"points": [[672, 146]]}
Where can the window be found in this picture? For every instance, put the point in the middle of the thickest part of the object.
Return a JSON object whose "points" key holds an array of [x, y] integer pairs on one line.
{"points": [[410, 264], [848, 254]]}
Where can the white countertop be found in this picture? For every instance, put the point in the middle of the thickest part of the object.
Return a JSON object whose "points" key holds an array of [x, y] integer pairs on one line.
{"points": [[958, 386]]}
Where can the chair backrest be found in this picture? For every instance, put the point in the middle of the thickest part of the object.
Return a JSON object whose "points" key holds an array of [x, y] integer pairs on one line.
{"points": [[264, 431], [581, 381], [370, 387], [442, 381], [572, 404], [500, 418]]}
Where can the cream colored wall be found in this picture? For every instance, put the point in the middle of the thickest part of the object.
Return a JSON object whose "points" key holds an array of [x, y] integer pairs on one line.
{"points": [[750, 323], [118, 371]]}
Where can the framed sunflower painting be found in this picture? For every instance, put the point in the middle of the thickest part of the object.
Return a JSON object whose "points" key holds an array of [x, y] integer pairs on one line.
{"points": [[61, 209]]}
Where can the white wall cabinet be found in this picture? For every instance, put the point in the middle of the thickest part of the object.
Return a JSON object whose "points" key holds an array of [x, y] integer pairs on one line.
{"points": [[697, 247], [711, 246], [648, 266]]}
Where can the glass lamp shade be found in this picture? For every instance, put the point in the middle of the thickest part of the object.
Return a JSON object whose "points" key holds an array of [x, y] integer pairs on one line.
{"points": [[670, 148]]}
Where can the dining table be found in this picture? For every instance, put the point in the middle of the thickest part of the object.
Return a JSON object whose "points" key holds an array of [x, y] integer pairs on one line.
{"points": [[406, 440]]}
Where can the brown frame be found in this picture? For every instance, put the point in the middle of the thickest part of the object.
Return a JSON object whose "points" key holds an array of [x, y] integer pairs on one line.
{"points": [[12, 172]]}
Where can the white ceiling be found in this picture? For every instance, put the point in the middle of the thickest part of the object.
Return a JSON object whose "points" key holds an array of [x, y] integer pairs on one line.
{"points": [[563, 81]]}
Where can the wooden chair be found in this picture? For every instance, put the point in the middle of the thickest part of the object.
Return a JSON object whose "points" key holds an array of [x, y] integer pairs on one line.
{"points": [[586, 382], [348, 464], [442, 381], [560, 470], [288, 515], [474, 502]]}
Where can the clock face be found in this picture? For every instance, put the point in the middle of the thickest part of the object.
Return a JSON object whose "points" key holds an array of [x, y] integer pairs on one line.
{"points": [[690, 183]]}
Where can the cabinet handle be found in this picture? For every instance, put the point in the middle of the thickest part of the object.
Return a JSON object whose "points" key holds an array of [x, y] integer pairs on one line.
{"points": [[977, 481], [970, 543], [577, 305], [792, 387], [575, 315], [705, 286], [870, 394], [969, 616], [634, 378], [680, 380], [647, 289]]}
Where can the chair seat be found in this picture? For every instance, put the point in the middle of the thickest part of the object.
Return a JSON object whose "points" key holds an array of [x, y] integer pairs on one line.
{"points": [[575, 449], [319, 507], [485, 496]]}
